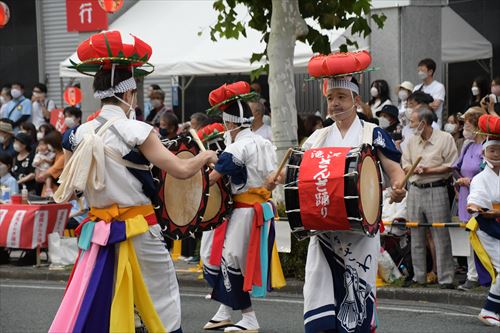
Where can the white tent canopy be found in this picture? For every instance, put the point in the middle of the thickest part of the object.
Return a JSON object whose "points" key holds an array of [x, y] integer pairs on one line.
{"points": [[460, 41], [172, 27]]}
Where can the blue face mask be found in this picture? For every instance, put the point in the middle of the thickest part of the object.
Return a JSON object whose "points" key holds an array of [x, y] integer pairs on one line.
{"points": [[163, 132]]}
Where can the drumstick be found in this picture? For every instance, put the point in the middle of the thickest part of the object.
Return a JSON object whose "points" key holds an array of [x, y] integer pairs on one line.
{"points": [[283, 162], [409, 174], [199, 143]]}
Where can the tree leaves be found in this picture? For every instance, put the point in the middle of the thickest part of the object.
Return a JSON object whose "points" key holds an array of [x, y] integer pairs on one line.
{"points": [[329, 14]]}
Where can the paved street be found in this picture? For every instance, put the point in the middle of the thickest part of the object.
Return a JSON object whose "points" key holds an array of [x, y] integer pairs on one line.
{"points": [[28, 306]]}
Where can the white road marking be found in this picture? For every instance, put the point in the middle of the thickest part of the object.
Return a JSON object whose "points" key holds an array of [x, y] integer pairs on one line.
{"points": [[267, 300]]}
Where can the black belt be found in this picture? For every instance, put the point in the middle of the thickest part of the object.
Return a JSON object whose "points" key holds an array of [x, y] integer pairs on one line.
{"points": [[439, 183]]}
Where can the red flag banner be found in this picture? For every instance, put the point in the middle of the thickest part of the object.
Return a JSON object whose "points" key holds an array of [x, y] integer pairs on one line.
{"points": [[26, 226], [57, 120], [321, 189]]}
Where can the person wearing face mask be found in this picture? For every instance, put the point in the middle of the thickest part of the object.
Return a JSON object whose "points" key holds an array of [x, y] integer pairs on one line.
{"points": [[147, 103], [19, 108], [158, 108], [258, 126], [109, 162], [7, 137], [483, 203], [454, 126], [388, 119], [169, 125], [23, 169], [41, 105], [428, 200], [248, 159], [403, 91], [491, 102], [379, 92], [466, 167], [72, 120], [323, 299], [479, 89], [5, 97], [425, 72]]}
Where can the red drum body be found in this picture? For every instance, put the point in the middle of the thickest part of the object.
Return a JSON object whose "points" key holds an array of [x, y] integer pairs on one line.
{"points": [[183, 202], [331, 189]]}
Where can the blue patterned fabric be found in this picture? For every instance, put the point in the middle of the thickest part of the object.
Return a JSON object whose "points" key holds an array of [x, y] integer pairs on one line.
{"points": [[382, 141], [229, 165]]}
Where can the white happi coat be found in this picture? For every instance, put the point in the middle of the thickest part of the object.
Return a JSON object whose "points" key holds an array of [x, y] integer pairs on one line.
{"points": [[356, 252]]}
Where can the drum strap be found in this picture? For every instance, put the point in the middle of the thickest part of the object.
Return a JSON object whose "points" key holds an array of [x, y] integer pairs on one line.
{"points": [[367, 132]]}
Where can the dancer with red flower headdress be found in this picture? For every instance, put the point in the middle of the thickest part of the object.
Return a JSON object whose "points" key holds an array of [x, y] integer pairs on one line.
{"points": [[244, 246], [341, 266], [123, 264], [484, 202]]}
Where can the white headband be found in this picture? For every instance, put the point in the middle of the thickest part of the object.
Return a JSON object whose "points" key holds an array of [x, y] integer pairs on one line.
{"points": [[488, 143], [245, 122], [124, 86], [344, 83]]}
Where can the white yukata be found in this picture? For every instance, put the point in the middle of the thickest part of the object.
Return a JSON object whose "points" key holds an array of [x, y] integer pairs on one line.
{"points": [[485, 193], [341, 266], [125, 190], [248, 161]]}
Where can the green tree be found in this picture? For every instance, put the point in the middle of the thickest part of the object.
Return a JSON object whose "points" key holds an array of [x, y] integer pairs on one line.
{"points": [[281, 23]]}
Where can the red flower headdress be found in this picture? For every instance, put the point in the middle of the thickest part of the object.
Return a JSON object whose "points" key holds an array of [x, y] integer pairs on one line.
{"points": [[106, 50], [211, 132], [221, 97], [489, 126]]}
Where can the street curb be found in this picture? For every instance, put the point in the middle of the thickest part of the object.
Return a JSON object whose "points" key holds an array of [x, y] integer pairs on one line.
{"points": [[190, 280]]}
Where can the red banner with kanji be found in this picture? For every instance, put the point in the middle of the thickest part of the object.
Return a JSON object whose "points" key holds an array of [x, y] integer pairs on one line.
{"points": [[57, 120], [321, 189], [85, 15], [26, 226]]}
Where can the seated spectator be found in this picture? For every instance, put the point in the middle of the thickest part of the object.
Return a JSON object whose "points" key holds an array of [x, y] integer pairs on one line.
{"points": [[158, 108], [169, 125], [23, 170], [72, 119], [428, 200], [388, 118], [29, 129], [43, 160], [6, 178], [454, 126], [379, 92], [199, 120], [19, 108], [5, 98], [7, 137], [258, 126], [49, 177], [44, 130], [467, 166], [41, 105]]}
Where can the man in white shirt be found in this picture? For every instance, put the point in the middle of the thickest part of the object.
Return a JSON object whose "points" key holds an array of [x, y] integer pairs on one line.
{"points": [[426, 69], [258, 126]]}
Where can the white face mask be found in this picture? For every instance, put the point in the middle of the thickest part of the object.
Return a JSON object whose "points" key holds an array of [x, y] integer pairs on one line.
{"points": [[16, 93], [384, 122], [422, 75], [70, 122], [373, 92], [408, 113], [468, 134], [2, 100], [131, 111], [450, 128], [227, 138], [475, 91], [2, 139], [39, 136], [417, 131], [403, 95], [155, 103], [17, 147], [3, 170]]}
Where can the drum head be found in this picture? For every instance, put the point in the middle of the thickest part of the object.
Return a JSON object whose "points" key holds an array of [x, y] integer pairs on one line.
{"points": [[219, 205], [183, 201], [370, 191]]}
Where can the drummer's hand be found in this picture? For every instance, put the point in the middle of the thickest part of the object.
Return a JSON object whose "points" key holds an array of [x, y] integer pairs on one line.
{"points": [[491, 214], [211, 156], [398, 193], [472, 209]]}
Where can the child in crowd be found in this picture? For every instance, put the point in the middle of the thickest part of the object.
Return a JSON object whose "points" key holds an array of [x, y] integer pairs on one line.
{"points": [[7, 181], [43, 160]]}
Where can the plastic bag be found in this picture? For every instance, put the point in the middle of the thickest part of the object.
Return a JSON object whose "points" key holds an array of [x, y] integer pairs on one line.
{"points": [[386, 267], [62, 250]]}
